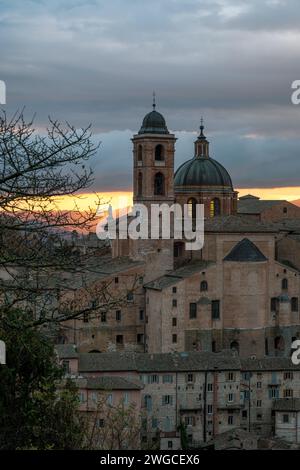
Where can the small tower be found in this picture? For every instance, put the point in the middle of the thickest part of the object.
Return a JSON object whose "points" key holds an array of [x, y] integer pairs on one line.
{"points": [[153, 161], [153, 183]]}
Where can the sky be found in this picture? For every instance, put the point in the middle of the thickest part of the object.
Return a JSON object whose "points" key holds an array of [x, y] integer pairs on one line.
{"points": [[230, 61]]}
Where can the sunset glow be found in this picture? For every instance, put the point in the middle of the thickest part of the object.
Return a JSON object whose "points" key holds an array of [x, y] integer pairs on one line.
{"points": [[124, 198]]}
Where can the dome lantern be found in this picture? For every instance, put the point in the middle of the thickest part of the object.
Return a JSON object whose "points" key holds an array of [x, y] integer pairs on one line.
{"points": [[201, 144]]}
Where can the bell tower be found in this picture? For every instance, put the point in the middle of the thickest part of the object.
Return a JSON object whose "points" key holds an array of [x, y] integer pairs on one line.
{"points": [[153, 183], [153, 161]]}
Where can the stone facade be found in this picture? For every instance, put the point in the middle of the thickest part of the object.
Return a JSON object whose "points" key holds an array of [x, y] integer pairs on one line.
{"points": [[207, 394]]}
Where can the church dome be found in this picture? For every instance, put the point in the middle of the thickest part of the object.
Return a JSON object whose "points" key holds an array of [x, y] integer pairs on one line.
{"points": [[204, 172], [154, 123]]}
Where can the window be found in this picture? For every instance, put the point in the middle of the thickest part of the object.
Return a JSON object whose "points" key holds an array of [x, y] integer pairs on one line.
{"points": [[154, 423], [159, 184], [193, 310], [279, 343], [109, 399], [209, 387], [190, 378], [118, 315], [129, 296], [273, 393], [215, 309], [153, 379], [209, 409], [288, 376], [170, 444], [119, 339], [244, 414], [159, 152], [167, 400], [288, 393], [66, 366], [294, 304], [274, 304], [103, 317], [174, 321], [141, 315], [100, 423], [284, 284], [258, 403], [140, 153], [189, 420], [174, 303], [284, 210], [140, 184], [215, 207], [140, 338], [230, 420], [125, 398], [148, 402], [235, 346], [246, 375], [174, 290], [203, 286], [178, 249], [285, 418], [174, 338], [192, 204], [258, 385], [116, 280], [230, 376], [230, 397], [167, 379], [85, 317], [259, 416]]}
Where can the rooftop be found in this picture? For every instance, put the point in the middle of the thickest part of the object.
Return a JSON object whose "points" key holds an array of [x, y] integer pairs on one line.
{"points": [[253, 205], [287, 404], [245, 251], [178, 275], [238, 224]]}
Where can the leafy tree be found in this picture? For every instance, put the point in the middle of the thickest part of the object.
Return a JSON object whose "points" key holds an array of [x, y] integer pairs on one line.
{"points": [[34, 411]]}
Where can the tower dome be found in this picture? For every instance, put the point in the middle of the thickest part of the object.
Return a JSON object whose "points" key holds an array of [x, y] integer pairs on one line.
{"points": [[154, 122]]}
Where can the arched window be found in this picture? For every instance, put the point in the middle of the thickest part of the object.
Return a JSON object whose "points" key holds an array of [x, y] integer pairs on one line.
{"points": [[235, 346], [159, 153], [192, 207], [140, 184], [95, 351], [203, 286], [215, 207], [284, 284], [159, 184], [140, 153]]}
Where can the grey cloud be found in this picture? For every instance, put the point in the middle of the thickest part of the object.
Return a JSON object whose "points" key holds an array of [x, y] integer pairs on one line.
{"points": [[97, 61]]}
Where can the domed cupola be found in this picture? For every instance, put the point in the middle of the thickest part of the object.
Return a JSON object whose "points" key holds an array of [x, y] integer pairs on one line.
{"points": [[154, 122], [203, 180]]}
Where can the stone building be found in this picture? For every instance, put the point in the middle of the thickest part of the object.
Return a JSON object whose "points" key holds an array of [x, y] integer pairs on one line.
{"points": [[267, 210], [205, 394], [240, 291]]}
